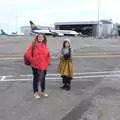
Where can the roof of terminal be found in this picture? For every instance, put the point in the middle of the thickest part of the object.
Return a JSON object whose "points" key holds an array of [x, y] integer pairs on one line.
{"points": [[83, 22]]}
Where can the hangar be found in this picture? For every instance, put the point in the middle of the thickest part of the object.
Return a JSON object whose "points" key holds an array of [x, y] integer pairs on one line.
{"points": [[89, 28]]}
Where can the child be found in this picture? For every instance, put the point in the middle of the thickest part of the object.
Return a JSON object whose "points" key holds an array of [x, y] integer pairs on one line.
{"points": [[39, 58], [66, 65]]}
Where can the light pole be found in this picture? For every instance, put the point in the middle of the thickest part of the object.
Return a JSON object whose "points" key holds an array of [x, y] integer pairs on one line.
{"points": [[16, 20], [98, 13]]}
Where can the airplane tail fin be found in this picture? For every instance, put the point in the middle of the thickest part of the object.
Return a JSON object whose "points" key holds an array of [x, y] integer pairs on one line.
{"points": [[33, 26], [3, 33]]}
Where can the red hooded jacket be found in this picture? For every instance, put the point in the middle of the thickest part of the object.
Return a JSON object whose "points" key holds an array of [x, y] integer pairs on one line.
{"points": [[41, 56]]}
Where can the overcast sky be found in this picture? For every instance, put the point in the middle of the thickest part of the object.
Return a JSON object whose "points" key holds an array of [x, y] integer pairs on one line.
{"points": [[16, 13]]}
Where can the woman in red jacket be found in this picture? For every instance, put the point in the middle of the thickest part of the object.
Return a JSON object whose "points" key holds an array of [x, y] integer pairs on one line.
{"points": [[39, 57]]}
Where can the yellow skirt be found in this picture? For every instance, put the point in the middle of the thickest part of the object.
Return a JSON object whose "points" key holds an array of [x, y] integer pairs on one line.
{"points": [[66, 68]]}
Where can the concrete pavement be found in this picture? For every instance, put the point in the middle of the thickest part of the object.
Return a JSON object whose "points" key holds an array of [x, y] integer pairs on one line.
{"points": [[95, 92]]}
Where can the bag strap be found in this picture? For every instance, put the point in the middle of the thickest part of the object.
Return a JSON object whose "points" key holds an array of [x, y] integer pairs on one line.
{"points": [[33, 47]]}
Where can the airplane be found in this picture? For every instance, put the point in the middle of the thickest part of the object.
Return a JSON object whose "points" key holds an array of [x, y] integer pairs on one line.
{"points": [[3, 32], [47, 31], [53, 32], [68, 32], [6, 34]]}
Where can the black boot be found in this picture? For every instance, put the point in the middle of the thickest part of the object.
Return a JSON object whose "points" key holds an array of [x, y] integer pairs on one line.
{"points": [[68, 86], [64, 82], [63, 87]]}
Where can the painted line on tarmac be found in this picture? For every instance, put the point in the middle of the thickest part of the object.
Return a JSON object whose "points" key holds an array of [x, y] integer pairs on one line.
{"points": [[55, 74], [59, 78], [98, 56], [83, 56], [82, 73], [7, 76], [104, 72], [3, 78], [11, 58]]}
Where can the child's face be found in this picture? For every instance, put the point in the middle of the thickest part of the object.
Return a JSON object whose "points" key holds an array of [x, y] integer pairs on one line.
{"points": [[67, 44], [40, 38]]}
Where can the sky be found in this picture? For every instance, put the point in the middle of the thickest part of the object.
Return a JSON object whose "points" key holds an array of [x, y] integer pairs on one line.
{"points": [[17, 13]]}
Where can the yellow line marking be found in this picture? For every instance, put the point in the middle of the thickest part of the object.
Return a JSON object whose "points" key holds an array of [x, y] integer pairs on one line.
{"points": [[83, 56], [11, 58], [98, 56]]}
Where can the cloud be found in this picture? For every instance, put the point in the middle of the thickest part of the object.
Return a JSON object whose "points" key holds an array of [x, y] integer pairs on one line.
{"points": [[45, 12]]}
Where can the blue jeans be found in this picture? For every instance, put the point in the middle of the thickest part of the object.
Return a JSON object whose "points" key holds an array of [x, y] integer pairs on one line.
{"points": [[38, 77]]}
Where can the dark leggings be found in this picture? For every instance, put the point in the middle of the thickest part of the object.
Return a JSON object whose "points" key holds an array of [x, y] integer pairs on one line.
{"points": [[38, 76], [66, 80]]}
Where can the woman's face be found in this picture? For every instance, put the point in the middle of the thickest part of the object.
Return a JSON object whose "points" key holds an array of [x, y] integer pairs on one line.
{"points": [[40, 38], [67, 44]]}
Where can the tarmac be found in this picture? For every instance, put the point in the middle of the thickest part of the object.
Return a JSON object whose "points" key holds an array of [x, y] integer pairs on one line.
{"points": [[95, 92]]}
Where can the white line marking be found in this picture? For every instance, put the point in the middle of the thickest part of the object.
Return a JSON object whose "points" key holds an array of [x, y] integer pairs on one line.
{"points": [[8, 76], [84, 73], [98, 76], [17, 80], [55, 77], [104, 72], [26, 75], [58, 78], [3, 78]]}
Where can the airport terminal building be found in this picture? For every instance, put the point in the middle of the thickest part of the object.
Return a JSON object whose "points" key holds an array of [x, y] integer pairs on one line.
{"points": [[103, 28]]}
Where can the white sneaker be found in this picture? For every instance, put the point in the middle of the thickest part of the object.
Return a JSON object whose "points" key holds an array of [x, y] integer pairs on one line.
{"points": [[44, 94], [36, 95]]}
